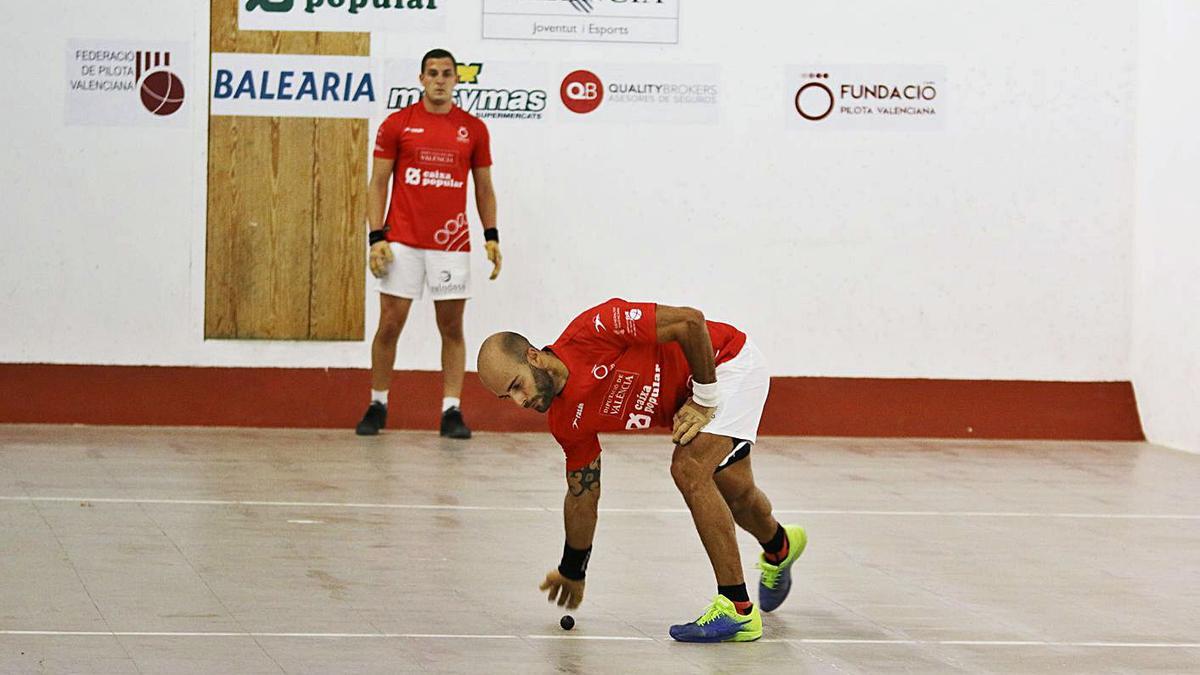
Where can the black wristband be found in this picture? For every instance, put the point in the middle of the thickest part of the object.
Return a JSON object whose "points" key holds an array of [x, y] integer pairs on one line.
{"points": [[574, 562], [491, 234], [376, 236]]}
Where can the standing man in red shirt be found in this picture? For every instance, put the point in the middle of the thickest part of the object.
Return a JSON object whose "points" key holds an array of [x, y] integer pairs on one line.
{"points": [[624, 365], [424, 153]]}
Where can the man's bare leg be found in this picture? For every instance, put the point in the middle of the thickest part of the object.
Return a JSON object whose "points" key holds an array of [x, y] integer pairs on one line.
{"points": [[731, 616], [750, 507], [454, 346], [752, 511], [454, 364], [692, 467], [393, 313]]}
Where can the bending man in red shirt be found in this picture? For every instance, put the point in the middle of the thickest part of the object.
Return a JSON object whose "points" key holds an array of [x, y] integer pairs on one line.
{"points": [[624, 365], [424, 154]]}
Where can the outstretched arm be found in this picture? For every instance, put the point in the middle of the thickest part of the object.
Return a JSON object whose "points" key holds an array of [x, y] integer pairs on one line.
{"points": [[581, 505], [580, 512]]}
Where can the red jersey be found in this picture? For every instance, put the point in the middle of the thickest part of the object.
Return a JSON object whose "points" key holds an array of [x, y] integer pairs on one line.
{"points": [[621, 377], [434, 155]]}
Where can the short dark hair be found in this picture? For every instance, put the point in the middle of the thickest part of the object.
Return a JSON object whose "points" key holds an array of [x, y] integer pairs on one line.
{"points": [[437, 54]]}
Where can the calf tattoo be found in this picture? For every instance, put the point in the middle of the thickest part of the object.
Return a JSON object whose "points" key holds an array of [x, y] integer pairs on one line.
{"points": [[584, 480]]}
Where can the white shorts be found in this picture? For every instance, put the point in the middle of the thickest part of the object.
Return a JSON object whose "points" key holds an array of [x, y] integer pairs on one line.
{"points": [[447, 274], [743, 382]]}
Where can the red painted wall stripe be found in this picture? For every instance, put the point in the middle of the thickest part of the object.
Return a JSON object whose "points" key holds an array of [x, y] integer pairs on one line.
{"points": [[320, 398]]}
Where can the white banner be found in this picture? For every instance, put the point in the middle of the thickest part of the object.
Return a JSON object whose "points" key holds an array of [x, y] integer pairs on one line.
{"points": [[656, 93], [414, 16], [292, 85], [866, 98], [127, 83], [489, 90], [652, 21]]}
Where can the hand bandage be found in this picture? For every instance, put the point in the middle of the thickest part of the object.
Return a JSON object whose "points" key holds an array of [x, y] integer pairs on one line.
{"points": [[706, 395], [494, 257], [690, 420], [380, 258], [568, 593]]}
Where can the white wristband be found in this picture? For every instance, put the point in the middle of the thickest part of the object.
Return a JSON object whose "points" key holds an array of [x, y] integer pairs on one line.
{"points": [[705, 394]]}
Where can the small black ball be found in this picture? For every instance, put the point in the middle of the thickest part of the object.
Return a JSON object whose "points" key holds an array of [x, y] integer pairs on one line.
{"points": [[567, 622]]}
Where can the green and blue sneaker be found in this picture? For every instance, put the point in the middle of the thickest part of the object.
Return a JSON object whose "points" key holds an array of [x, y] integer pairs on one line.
{"points": [[776, 580], [721, 623]]}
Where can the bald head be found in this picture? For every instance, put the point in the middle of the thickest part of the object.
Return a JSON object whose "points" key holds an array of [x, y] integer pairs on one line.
{"points": [[512, 368], [500, 356]]}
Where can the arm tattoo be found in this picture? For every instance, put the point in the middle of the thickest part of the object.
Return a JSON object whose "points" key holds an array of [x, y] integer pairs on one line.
{"points": [[585, 480]]}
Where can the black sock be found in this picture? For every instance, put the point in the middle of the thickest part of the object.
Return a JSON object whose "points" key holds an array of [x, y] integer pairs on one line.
{"points": [[735, 593], [775, 545]]}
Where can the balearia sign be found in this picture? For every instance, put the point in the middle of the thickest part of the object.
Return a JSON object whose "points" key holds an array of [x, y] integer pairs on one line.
{"points": [[292, 85]]}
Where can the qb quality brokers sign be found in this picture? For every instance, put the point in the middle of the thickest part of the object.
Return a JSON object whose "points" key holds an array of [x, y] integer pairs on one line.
{"points": [[292, 85]]}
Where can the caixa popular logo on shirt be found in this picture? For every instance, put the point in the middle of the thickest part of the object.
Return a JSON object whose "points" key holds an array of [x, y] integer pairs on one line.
{"points": [[290, 85], [430, 178]]}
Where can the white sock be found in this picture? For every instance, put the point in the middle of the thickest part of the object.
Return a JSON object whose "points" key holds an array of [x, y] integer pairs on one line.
{"points": [[450, 402], [379, 396]]}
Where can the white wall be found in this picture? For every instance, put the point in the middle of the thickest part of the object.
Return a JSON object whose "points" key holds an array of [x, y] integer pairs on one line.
{"points": [[998, 248], [1166, 335]]}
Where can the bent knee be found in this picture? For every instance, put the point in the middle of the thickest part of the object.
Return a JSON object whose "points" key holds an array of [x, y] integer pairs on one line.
{"points": [[688, 473]]}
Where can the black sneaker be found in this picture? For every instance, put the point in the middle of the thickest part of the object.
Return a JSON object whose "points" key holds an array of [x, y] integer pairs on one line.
{"points": [[453, 425], [373, 421]]}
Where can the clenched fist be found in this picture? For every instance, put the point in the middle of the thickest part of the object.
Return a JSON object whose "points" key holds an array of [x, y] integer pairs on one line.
{"points": [[690, 420], [568, 592]]}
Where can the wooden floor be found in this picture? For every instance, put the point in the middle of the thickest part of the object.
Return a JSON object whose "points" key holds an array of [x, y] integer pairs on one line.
{"points": [[163, 550]]}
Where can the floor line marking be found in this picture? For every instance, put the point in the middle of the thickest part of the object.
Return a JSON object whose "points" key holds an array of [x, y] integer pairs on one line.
{"points": [[614, 638], [555, 509]]}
